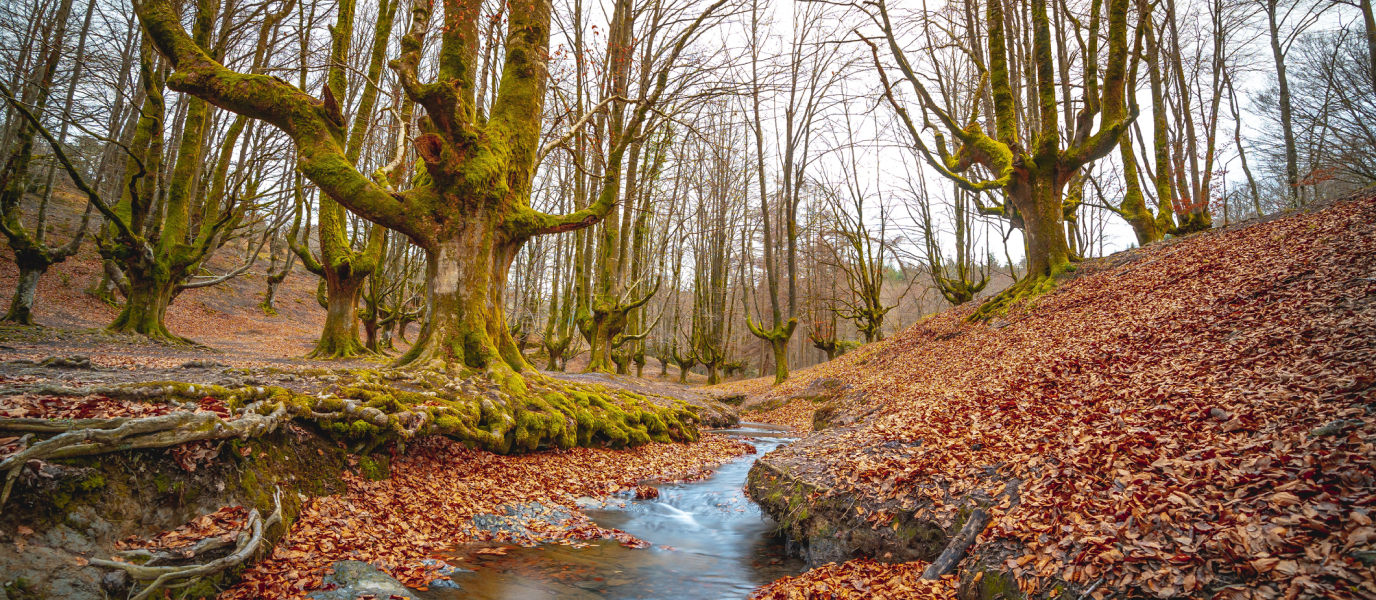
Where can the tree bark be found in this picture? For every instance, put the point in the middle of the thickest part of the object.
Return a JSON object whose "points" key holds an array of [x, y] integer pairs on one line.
{"points": [[21, 306], [339, 338], [467, 278], [1369, 20], [1292, 169]]}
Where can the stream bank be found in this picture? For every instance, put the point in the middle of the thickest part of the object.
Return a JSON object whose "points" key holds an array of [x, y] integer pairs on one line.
{"points": [[82, 508], [706, 541], [1193, 418]]}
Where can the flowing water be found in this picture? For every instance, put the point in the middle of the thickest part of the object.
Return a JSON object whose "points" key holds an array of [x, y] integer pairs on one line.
{"points": [[709, 542]]}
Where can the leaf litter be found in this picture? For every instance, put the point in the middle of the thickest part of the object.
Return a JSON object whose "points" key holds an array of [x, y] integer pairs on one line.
{"points": [[1194, 418], [427, 506]]}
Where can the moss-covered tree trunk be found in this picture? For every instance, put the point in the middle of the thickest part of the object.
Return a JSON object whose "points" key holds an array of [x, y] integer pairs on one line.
{"points": [[344, 272], [21, 305], [603, 324], [1039, 203], [339, 337], [145, 308], [467, 326], [474, 213], [1134, 207], [778, 338]]}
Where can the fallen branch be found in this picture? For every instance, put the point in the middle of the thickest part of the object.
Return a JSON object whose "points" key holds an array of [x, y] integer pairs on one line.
{"points": [[148, 558], [958, 546], [249, 540]]}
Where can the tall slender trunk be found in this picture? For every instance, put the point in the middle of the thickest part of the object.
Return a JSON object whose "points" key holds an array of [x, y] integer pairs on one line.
{"points": [[1134, 206], [1369, 20], [1292, 169], [1237, 139]]}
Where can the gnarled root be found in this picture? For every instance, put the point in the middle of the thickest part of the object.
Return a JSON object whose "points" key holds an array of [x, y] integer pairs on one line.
{"points": [[169, 577], [96, 436], [1028, 288], [499, 412]]}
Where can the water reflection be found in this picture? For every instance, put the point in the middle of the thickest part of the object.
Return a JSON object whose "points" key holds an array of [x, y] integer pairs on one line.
{"points": [[710, 542]]}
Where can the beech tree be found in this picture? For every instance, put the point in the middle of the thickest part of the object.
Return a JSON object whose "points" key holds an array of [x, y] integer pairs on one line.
{"points": [[344, 269], [474, 212], [32, 254], [1032, 174]]}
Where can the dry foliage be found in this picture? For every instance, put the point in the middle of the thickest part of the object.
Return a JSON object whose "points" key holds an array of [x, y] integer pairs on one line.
{"points": [[224, 523], [860, 578], [796, 414], [89, 407], [427, 506], [1189, 419]]}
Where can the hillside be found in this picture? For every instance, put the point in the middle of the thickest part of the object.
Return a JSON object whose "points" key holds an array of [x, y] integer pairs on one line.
{"points": [[1190, 419], [226, 317]]}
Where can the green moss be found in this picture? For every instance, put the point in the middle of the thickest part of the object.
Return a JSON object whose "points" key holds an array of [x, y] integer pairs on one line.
{"points": [[77, 490], [374, 468], [21, 589], [92, 482], [993, 584], [205, 588]]}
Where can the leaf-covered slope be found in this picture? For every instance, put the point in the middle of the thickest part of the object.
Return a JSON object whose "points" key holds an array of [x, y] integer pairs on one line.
{"points": [[1184, 419]]}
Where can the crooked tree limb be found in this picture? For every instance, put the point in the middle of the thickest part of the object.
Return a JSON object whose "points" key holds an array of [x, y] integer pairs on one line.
{"points": [[150, 557], [249, 541]]}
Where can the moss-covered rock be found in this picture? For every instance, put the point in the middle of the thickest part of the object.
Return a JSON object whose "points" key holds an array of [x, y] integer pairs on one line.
{"points": [[826, 527]]}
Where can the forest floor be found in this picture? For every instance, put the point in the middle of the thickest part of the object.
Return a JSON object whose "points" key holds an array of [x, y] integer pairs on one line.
{"points": [[1196, 418], [424, 506]]}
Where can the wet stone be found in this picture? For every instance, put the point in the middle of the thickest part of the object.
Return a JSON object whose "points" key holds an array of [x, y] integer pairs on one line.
{"points": [[354, 579], [445, 570], [512, 521]]}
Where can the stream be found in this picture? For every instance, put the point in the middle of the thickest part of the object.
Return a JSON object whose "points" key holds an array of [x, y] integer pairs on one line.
{"points": [[708, 542]]}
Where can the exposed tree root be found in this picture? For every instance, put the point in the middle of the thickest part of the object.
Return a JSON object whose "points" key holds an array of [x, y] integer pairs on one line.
{"points": [[501, 413], [1028, 288], [96, 436], [172, 577]]}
